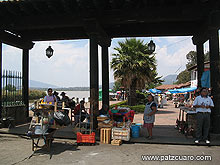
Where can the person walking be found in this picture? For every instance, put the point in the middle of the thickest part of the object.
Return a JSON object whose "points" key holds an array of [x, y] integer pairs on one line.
{"points": [[203, 104]]}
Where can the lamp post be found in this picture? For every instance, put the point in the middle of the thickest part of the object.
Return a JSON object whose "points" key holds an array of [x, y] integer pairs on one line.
{"points": [[151, 46], [49, 52]]}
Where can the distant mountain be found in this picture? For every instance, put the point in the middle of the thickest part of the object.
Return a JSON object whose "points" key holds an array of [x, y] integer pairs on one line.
{"points": [[170, 79], [38, 84]]}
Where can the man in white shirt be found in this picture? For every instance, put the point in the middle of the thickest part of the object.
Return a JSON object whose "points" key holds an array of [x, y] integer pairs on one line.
{"points": [[203, 104]]}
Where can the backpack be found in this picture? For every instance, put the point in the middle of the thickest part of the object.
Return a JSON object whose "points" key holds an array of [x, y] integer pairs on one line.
{"points": [[61, 118]]}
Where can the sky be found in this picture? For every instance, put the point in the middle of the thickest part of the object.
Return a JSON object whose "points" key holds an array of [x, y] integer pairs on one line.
{"points": [[69, 66]]}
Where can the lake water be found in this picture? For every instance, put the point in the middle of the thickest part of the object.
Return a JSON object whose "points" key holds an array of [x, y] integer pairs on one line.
{"points": [[79, 94]]}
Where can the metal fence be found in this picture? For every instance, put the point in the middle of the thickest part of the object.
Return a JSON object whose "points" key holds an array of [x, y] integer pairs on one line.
{"points": [[11, 88]]}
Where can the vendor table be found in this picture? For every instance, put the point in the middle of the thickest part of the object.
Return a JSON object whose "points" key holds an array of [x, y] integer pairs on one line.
{"points": [[125, 115], [47, 128], [47, 137], [186, 123]]}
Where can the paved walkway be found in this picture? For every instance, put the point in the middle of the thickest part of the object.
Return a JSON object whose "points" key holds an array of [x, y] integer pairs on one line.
{"points": [[16, 150], [163, 132], [164, 116]]}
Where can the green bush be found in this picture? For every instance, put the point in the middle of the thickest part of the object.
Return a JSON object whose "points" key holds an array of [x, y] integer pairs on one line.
{"points": [[137, 108], [15, 96], [119, 104], [36, 94], [141, 97]]}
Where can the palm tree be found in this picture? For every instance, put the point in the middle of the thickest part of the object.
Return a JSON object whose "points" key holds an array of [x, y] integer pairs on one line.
{"points": [[133, 66]]}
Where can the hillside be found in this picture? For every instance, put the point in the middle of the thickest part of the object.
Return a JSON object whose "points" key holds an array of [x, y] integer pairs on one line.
{"points": [[170, 79], [38, 84]]}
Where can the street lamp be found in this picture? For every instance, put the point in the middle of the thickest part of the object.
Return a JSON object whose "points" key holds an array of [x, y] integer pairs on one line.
{"points": [[49, 52], [151, 46]]}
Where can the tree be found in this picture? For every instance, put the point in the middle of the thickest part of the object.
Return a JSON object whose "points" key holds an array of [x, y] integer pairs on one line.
{"points": [[117, 85], [192, 58], [133, 66], [185, 76], [156, 82], [10, 88]]}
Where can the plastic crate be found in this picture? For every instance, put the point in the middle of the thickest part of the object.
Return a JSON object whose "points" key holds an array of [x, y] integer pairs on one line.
{"points": [[86, 138]]}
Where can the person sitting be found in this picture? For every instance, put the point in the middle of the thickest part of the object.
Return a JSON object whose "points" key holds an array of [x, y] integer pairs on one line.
{"points": [[104, 110], [65, 99], [72, 103], [55, 93], [50, 98]]}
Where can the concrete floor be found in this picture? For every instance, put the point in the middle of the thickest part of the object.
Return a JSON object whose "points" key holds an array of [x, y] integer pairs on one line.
{"points": [[17, 150], [163, 132], [165, 116]]}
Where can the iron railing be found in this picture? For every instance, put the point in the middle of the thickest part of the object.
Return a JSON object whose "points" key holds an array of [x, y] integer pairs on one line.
{"points": [[11, 88]]}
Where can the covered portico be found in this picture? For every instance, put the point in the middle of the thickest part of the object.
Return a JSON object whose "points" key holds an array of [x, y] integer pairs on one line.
{"points": [[24, 21]]}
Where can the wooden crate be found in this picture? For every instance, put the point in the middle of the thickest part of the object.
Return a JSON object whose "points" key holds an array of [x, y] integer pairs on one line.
{"points": [[105, 125], [102, 118], [105, 135], [116, 142], [121, 133]]}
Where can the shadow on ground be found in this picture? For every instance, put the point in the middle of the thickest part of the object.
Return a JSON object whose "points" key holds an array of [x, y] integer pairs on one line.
{"points": [[160, 111], [56, 149]]}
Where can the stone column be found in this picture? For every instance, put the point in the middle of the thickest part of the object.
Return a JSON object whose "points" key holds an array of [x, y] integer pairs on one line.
{"points": [[105, 76], [94, 80], [1, 79], [215, 79], [25, 79], [200, 62]]}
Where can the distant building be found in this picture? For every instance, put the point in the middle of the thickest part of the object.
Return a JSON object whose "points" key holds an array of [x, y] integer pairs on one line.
{"points": [[173, 86], [194, 73]]}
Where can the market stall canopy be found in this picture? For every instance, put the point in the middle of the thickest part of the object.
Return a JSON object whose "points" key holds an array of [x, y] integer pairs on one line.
{"points": [[155, 91], [205, 80], [167, 92], [173, 86], [183, 90]]}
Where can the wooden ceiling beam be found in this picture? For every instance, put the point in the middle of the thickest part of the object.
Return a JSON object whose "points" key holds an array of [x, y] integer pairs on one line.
{"points": [[52, 7], [129, 30], [203, 32], [42, 22], [26, 8], [92, 27], [148, 30], [66, 6], [55, 34], [14, 40], [107, 18], [12, 9], [35, 5]]}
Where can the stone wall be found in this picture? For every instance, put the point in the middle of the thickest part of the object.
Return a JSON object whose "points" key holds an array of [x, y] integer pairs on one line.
{"points": [[19, 113]]}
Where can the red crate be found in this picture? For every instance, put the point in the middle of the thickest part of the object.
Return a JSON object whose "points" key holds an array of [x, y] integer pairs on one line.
{"points": [[85, 138]]}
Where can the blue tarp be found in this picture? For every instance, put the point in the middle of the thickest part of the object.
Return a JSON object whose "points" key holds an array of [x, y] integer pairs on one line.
{"points": [[173, 91], [155, 90], [205, 80], [183, 90]]}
